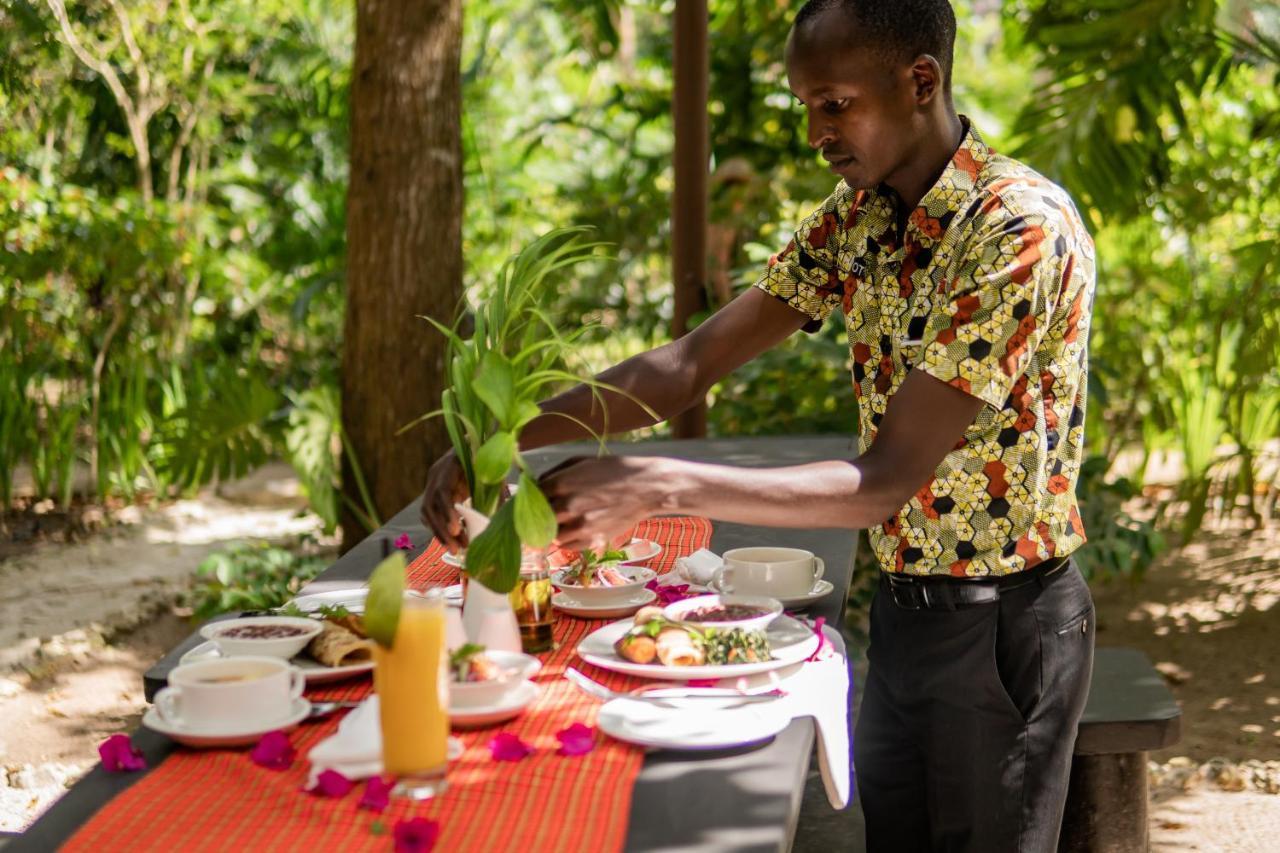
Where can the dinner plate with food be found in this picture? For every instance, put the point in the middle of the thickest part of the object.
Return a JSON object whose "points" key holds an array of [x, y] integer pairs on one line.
{"points": [[329, 644], [654, 645]]}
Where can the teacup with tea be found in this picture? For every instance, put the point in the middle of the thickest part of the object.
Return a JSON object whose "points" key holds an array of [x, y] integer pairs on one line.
{"points": [[230, 694]]}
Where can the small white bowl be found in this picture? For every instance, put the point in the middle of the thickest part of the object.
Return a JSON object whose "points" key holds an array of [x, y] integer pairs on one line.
{"points": [[680, 611], [515, 669], [276, 647], [601, 595]]}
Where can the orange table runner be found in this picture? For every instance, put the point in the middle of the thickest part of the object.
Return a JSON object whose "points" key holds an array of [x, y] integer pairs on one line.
{"points": [[221, 800]]}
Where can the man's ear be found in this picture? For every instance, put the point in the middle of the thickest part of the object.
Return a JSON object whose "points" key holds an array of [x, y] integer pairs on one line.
{"points": [[926, 74]]}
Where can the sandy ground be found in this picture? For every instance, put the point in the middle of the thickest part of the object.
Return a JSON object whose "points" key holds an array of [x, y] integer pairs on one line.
{"points": [[79, 624]]}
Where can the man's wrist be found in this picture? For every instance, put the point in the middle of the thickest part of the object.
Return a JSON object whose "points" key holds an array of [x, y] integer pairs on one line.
{"points": [[674, 485]]}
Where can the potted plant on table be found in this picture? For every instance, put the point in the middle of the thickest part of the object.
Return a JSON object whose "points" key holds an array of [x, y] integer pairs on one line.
{"points": [[513, 357]]}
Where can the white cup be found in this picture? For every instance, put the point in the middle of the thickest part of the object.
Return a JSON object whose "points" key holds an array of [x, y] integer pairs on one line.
{"points": [[777, 572], [230, 694]]}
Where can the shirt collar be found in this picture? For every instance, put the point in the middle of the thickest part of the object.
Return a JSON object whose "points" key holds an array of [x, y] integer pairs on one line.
{"points": [[944, 200]]}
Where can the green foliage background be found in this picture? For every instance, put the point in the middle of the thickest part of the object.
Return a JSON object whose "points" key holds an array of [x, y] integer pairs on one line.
{"points": [[171, 214]]}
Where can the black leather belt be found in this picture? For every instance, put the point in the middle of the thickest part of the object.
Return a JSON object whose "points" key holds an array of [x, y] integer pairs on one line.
{"points": [[939, 592]]}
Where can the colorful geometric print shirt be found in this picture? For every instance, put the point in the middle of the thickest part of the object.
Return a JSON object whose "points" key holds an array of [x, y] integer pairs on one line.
{"points": [[990, 289]]}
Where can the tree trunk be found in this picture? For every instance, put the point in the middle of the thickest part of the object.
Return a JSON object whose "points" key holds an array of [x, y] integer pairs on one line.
{"points": [[404, 243]]}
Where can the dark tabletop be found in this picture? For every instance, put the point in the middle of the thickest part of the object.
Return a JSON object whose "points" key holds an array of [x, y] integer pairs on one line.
{"points": [[725, 801]]}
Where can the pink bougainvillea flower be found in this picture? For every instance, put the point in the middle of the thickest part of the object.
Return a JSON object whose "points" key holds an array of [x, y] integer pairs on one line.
{"points": [[416, 835], [576, 740], [331, 783], [508, 747], [377, 793], [118, 754], [273, 752], [403, 542], [824, 649], [667, 593]]}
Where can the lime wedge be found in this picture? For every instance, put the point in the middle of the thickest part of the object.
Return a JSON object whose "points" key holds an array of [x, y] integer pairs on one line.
{"points": [[382, 606]]}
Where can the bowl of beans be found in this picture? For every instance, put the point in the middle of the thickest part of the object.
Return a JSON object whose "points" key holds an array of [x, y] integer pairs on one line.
{"points": [[749, 612], [274, 636]]}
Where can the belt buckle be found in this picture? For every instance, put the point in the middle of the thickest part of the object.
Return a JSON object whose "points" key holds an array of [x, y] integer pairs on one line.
{"points": [[909, 596]]}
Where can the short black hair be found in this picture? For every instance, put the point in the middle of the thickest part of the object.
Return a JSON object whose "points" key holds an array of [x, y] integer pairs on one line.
{"points": [[900, 30]]}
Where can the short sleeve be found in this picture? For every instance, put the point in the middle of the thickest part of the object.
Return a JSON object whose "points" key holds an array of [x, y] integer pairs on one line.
{"points": [[998, 308], [804, 274]]}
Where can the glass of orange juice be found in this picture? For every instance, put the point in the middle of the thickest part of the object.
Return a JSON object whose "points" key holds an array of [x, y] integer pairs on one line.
{"points": [[412, 682]]}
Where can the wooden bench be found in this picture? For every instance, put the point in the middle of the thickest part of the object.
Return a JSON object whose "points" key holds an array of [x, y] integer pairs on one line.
{"points": [[1130, 712]]}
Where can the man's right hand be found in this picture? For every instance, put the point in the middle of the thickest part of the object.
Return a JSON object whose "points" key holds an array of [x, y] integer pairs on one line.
{"points": [[445, 486]]}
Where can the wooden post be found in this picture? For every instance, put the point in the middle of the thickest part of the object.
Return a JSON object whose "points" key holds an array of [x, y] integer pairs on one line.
{"points": [[689, 201]]}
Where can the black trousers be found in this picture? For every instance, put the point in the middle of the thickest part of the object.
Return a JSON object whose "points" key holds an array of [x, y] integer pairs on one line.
{"points": [[969, 718]]}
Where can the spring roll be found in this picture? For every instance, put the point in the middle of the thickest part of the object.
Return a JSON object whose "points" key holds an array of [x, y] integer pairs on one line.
{"points": [[337, 646], [676, 648], [637, 648]]}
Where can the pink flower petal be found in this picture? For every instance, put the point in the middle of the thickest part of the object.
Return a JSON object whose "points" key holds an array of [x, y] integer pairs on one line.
{"points": [[508, 747], [273, 752], [403, 542], [577, 739], [824, 649], [331, 783], [416, 835], [668, 593], [118, 755], [377, 793]]}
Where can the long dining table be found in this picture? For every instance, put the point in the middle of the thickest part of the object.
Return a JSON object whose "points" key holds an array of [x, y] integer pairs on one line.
{"points": [[732, 800]]}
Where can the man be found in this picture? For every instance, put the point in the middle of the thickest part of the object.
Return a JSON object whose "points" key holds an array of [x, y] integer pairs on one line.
{"points": [[966, 280]]}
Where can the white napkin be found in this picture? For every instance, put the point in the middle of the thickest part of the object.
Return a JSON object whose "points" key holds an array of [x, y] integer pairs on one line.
{"points": [[699, 567], [355, 750], [821, 690]]}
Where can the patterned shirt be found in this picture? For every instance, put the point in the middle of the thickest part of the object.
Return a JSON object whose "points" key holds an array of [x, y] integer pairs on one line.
{"points": [[990, 289]]}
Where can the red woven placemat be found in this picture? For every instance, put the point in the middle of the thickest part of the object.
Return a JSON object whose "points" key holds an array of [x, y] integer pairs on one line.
{"points": [[220, 800]]}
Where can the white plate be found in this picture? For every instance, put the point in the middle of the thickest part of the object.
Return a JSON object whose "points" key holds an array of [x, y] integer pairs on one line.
{"points": [[567, 604], [645, 550], [491, 715], [795, 602], [353, 599], [239, 737], [792, 641], [312, 670], [645, 724]]}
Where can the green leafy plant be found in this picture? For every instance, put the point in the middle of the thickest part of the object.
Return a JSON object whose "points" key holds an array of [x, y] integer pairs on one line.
{"points": [[254, 576], [1119, 545], [514, 357], [312, 439]]}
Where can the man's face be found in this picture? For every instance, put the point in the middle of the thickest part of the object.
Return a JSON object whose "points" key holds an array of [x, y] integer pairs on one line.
{"points": [[862, 112]]}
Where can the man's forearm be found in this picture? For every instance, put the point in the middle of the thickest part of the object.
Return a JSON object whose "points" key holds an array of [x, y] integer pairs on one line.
{"points": [[854, 494], [652, 387]]}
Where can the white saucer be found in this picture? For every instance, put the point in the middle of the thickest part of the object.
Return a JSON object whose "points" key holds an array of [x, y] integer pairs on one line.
{"points": [[821, 589], [567, 604], [312, 670], [241, 736], [645, 724], [490, 715]]}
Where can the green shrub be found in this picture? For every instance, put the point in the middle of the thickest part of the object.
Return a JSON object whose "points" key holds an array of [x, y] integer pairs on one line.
{"points": [[253, 576]]}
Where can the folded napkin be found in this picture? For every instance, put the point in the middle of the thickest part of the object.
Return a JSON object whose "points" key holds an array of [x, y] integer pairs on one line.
{"points": [[821, 690], [699, 567], [355, 750]]}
